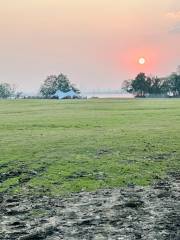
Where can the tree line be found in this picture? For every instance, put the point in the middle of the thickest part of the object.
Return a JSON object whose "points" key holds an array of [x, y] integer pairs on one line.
{"points": [[144, 85], [49, 87], [141, 86]]}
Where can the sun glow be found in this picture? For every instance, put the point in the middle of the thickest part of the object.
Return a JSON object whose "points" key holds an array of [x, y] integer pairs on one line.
{"points": [[142, 61]]}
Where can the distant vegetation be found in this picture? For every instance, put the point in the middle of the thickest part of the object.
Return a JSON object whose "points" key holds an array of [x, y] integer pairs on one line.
{"points": [[6, 90], [54, 83], [143, 85]]}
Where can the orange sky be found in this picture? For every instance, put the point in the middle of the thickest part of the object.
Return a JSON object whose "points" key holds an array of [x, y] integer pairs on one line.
{"points": [[97, 43]]}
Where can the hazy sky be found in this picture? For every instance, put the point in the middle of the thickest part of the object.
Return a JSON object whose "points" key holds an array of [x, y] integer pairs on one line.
{"points": [[96, 43]]}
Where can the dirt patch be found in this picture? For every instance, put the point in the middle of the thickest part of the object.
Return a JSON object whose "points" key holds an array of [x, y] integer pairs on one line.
{"points": [[23, 173], [97, 175], [148, 213], [103, 151]]}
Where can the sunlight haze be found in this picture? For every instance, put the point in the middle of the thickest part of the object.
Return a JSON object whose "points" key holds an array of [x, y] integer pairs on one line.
{"points": [[96, 43]]}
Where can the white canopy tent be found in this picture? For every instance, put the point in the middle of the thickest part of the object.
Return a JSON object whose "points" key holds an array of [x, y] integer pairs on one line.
{"points": [[61, 95]]}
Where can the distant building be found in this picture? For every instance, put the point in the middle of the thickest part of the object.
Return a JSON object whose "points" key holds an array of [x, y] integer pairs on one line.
{"points": [[63, 95]]}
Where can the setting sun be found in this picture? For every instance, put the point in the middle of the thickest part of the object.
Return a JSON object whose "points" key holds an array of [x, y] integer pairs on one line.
{"points": [[142, 61]]}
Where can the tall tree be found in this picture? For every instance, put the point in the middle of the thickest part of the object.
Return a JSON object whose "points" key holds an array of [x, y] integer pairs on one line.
{"points": [[49, 86], [6, 90], [174, 84], [156, 85], [140, 85]]}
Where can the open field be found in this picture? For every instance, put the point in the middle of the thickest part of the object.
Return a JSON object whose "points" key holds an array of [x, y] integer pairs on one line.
{"points": [[56, 147]]}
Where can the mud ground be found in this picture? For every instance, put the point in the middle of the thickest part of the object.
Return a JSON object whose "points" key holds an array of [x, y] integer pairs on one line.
{"points": [[148, 213]]}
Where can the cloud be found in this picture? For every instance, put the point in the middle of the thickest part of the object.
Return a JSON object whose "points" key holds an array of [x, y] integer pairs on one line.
{"points": [[173, 15], [175, 28]]}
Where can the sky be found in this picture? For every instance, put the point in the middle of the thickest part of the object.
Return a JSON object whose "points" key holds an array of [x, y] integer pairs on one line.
{"points": [[96, 43]]}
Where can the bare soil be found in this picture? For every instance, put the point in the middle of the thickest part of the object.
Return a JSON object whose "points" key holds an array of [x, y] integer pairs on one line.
{"points": [[148, 213]]}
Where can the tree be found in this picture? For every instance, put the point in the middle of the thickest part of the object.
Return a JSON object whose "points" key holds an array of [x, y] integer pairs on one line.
{"points": [[6, 90], [49, 86], [127, 86], [139, 85], [174, 84], [156, 86], [54, 83], [143, 84]]}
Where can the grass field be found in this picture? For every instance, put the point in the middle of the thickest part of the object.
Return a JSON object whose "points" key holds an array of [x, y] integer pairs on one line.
{"points": [[57, 147]]}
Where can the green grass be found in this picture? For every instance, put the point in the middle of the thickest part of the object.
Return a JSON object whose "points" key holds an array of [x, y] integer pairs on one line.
{"points": [[56, 147]]}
